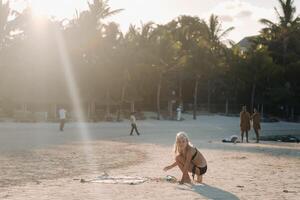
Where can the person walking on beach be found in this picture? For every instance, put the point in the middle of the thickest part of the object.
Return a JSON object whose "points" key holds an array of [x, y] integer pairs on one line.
{"points": [[256, 123], [62, 118], [244, 123], [188, 159], [133, 124]]}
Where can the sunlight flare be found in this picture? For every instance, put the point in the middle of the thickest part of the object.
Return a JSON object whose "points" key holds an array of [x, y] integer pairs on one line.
{"points": [[76, 103]]}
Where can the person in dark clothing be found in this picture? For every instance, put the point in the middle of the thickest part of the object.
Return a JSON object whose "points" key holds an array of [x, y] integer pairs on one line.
{"points": [[244, 123], [256, 124]]}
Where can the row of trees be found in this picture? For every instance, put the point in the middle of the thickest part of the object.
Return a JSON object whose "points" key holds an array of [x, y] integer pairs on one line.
{"points": [[184, 60]]}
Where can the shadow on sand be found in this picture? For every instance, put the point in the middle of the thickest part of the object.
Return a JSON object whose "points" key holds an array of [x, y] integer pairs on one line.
{"points": [[212, 193]]}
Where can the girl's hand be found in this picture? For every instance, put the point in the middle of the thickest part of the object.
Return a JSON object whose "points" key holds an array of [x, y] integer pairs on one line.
{"points": [[166, 168]]}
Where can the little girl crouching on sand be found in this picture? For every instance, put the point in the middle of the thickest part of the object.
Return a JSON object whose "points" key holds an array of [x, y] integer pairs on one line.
{"points": [[188, 159]]}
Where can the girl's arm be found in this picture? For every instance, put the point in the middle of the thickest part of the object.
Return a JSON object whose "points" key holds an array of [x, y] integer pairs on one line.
{"points": [[170, 166]]}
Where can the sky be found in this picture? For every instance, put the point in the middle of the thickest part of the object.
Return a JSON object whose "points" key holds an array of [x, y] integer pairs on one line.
{"points": [[241, 14]]}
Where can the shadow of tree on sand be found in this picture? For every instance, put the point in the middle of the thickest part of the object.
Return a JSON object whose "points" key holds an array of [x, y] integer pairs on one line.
{"points": [[211, 193]]}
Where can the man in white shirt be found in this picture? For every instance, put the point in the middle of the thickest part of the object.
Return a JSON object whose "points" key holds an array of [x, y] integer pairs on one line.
{"points": [[62, 118], [133, 124], [178, 113]]}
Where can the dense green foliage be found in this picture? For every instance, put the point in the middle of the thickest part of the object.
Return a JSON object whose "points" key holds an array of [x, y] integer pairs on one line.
{"points": [[183, 60]]}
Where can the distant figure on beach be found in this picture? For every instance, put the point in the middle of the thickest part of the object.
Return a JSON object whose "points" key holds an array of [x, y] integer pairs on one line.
{"points": [[188, 159], [62, 118], [256, 123], [244, 123], [178, 113], [133, 124]]}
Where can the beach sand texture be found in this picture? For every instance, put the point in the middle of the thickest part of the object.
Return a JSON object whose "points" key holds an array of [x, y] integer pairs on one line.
{"points": [[268, 170]]}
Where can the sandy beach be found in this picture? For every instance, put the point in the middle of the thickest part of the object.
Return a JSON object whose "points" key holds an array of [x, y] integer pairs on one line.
{"points": [[269, 170]]}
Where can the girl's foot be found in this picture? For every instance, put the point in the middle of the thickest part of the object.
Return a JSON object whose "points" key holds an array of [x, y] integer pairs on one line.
{"points": [[186, 180], [199, 179]]}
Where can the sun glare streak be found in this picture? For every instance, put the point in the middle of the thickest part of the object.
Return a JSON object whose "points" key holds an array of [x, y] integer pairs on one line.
{"points": [[72, 87]]}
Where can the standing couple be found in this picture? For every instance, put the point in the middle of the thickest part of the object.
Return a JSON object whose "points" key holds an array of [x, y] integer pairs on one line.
{"points": [[245, 126]]}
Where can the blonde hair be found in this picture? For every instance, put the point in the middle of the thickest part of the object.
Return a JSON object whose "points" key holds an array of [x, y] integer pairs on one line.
{"points": [[181, 135]]}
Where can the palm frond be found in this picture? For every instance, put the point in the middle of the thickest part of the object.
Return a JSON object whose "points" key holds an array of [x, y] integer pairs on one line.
{"points": [[226, 32], [109, 13], [267, 22]]}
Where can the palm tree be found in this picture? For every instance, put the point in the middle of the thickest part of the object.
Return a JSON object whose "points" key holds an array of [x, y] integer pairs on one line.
{"points": [[165, 58], [4, 36], [135, 56], [111, 42], [5, 26], [100, 10], [93, 36], [215, 32], [187, 32], [286, 20], [215, 35], [281, 30], [281, 37], [198, 62]]}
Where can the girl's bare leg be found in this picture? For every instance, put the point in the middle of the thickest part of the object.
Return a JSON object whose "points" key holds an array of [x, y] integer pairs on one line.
{"points": [[199, 178], [180, 163]]}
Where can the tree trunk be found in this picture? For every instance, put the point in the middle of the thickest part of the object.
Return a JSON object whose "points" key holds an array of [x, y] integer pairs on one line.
{"points": [[89, 110], [226, 106], [107, 104], [253, 96], [93, 109], [180, 91], [170, 109], [285, 43], [55, 111], [132, 108], [292, 114], [24, 107], [195, 99], [121, 103], [158, 96], [208, 95]]}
